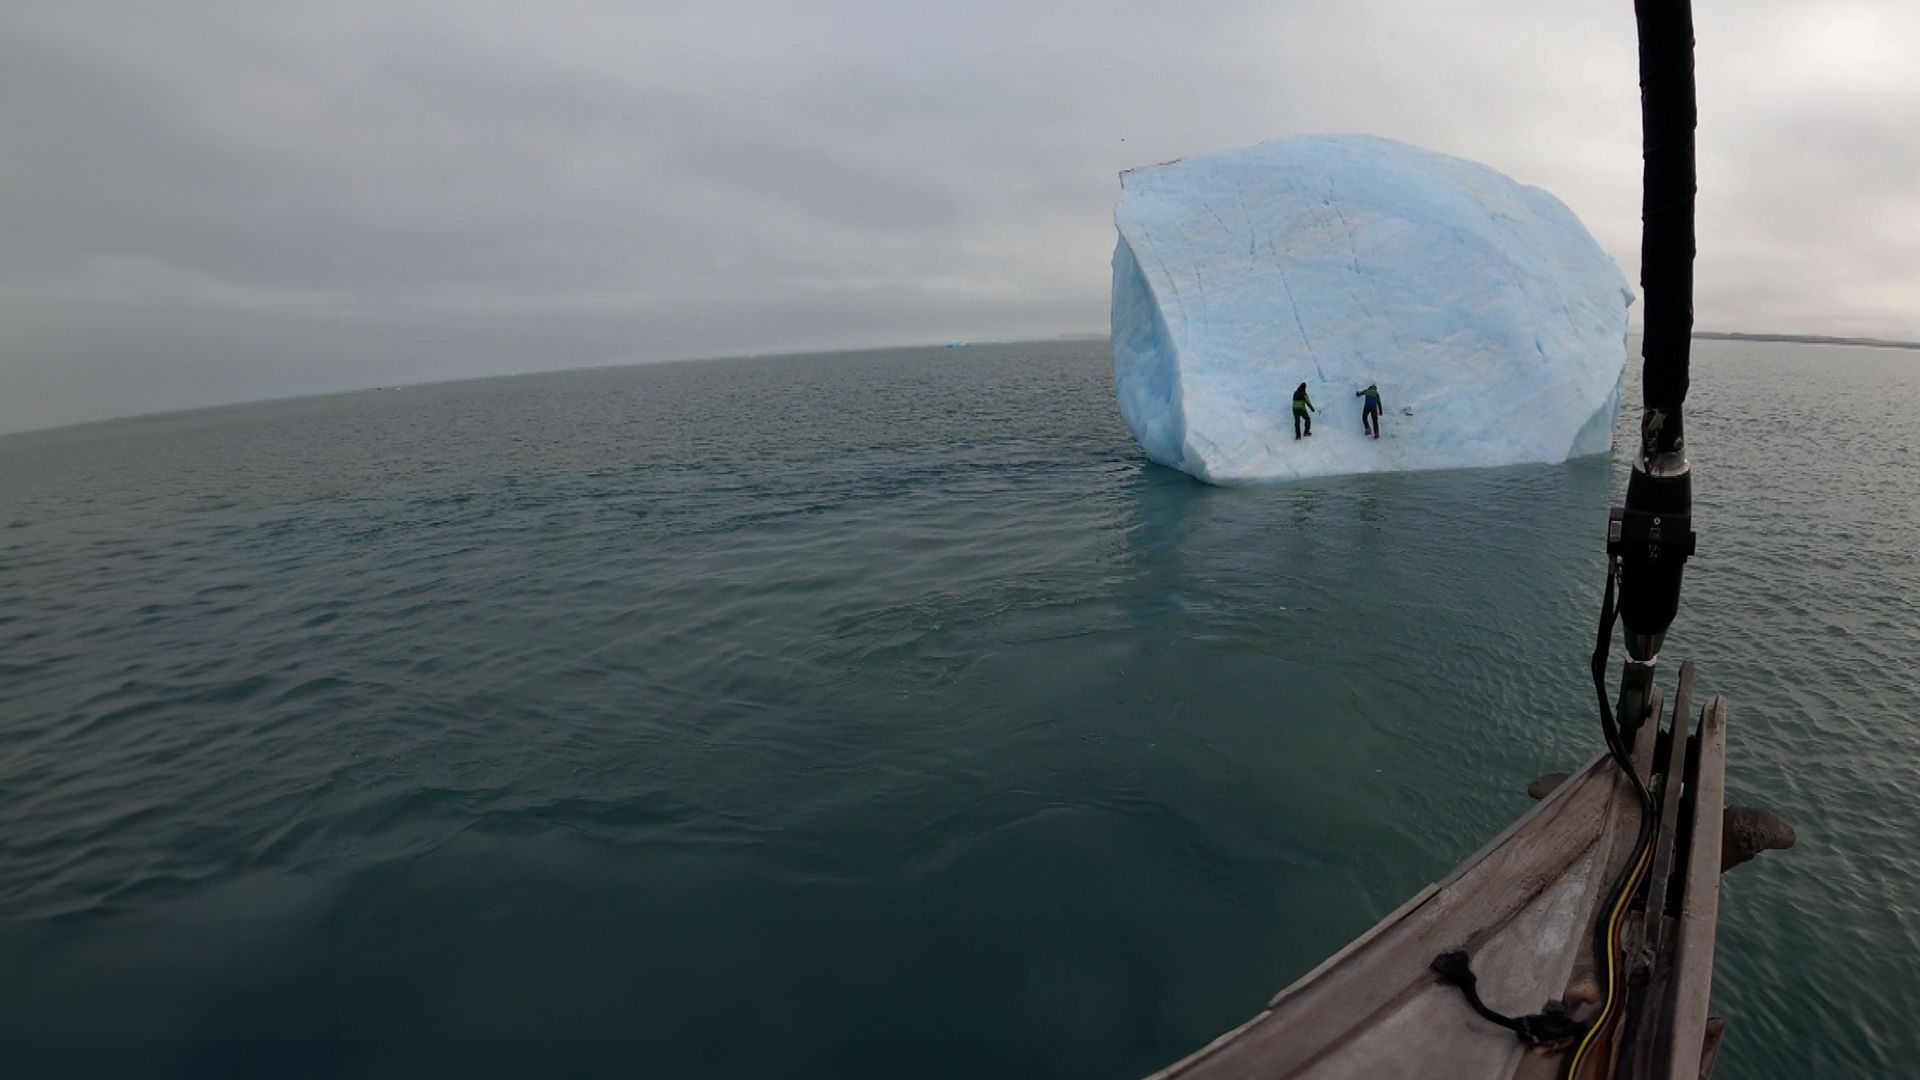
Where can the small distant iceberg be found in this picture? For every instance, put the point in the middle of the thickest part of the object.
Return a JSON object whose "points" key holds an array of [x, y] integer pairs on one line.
{"points": [[1492, 323], [957, 344]]}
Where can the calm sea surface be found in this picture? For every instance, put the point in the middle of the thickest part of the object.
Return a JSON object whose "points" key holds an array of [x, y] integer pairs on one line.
{"points": [[877, 715]]}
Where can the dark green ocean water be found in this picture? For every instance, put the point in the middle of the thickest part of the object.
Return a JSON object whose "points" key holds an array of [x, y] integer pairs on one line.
{"points": [[876, 715]]}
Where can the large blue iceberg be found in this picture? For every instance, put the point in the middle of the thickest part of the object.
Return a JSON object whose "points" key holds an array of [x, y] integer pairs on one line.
{"points": [[1492, 323]]}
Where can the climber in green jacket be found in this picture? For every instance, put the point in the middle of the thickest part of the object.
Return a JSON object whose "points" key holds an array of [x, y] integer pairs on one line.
{"points": [[1370, 409], [1301, 406]]}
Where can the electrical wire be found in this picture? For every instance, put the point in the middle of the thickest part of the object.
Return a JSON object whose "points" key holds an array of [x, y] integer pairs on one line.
{"points": [[1606, 947]]}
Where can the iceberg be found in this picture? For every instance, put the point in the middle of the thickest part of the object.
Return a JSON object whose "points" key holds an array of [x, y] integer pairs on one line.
{"points": [[1492, 323]]}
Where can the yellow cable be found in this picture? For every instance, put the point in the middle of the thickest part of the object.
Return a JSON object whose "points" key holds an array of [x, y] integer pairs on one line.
{"points": [[1613, 931]]}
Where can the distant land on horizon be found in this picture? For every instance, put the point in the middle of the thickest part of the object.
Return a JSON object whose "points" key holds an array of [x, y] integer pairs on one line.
{"points": [[1807, 339], [1709, 335], [1071, 335]]}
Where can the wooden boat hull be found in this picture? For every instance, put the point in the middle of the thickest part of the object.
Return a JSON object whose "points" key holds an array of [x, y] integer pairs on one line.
{"points": [[1524, 908]]}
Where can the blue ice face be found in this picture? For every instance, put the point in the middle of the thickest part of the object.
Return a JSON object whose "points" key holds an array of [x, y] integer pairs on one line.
{"points": [[1482, 308]]}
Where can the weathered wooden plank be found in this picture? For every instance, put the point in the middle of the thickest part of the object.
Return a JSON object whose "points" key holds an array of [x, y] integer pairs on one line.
{"points": [[1643, 750], [1699, 916], [1313, 1017], [1648, 1017], [1520, 967], [1628, 833], [1524, 906], [1527, 820], [1672, 772], [1355, 945], [1551, 864], [1625, 829], [1710, 1052]]}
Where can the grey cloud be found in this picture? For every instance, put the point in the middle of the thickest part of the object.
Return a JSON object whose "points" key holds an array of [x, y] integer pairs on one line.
{"points": [[212, 201]]}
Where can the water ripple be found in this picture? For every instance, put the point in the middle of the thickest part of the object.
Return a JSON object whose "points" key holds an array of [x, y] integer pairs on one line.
{"points": [[896, 686]]}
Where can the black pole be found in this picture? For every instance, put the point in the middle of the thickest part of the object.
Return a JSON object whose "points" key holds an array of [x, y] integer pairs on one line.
{"points": [[1667, 121], [1652, 535]]}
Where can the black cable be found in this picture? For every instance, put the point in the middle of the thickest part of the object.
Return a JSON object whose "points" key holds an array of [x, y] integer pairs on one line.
{"points": [[1623, 886], [1554, 1023], [1603, 646], [1551, 1024]]}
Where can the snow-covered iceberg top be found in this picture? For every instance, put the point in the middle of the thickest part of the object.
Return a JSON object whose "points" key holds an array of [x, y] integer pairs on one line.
{"points": [[1481, 305]]}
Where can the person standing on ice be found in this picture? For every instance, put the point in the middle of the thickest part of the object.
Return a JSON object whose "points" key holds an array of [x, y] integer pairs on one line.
{"points": [[1301, 406], [1370, 409]]}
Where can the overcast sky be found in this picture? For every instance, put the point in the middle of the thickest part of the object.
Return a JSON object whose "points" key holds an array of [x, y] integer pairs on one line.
{"points": [[211, 202]]}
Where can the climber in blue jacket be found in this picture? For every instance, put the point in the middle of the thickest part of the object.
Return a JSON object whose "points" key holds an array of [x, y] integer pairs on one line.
{"points": [[1370, 409]]}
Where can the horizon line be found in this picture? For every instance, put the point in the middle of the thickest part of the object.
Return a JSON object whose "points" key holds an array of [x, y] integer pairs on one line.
{"points": [[779, 353]]}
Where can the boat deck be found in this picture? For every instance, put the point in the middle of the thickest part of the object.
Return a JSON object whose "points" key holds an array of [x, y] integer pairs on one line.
{"points": [[1524, 908]]}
